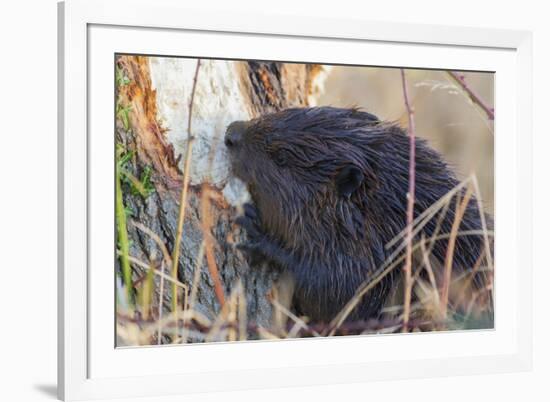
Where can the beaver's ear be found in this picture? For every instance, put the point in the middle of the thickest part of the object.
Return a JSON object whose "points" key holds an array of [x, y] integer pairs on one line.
{"points": [[348, 180]]}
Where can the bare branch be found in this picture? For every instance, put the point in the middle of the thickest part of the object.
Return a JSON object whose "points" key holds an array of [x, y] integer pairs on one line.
{"points": [[461, 80]]}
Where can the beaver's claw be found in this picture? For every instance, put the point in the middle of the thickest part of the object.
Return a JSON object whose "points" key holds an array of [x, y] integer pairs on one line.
{"points": [[250, 221]]}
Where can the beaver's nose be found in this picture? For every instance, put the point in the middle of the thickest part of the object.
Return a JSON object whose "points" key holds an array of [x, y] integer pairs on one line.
{"points": [[234, 134]]}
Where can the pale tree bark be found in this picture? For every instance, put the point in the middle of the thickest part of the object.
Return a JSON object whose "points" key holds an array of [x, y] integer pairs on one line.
{"points": [[154, 96]]}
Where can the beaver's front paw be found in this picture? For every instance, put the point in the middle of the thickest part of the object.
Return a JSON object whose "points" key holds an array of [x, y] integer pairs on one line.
{"points": [[254, 245], [250, 222]]}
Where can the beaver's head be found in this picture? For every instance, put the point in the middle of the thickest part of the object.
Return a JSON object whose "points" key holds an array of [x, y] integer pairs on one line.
{"points": [[307, 170]]}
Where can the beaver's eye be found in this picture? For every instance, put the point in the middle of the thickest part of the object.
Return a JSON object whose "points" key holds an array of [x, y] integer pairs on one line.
{"points": [[280, 158]]}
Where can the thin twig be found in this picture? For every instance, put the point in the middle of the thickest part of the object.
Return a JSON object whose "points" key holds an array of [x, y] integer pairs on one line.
{"points": [[183, 199], [410, 204], [460, 79]]}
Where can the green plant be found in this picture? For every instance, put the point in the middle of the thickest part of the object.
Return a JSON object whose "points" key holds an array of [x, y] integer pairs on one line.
{"points": [[122, 229], [142, 186], [123, 113], [121, 78]]}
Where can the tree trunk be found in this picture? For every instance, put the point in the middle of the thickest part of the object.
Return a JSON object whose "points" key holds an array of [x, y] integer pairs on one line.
{"points": [[154, 95]]}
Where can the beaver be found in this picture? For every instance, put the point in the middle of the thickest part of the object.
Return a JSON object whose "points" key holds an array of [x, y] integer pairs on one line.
{"points": [[329, 192]]}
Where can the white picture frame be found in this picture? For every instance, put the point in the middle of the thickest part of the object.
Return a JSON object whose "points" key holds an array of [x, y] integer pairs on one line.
{"points": [[90, 367]]}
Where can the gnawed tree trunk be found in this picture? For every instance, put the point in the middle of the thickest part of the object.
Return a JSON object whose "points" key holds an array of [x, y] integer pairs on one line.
{"points": [[154, 96]]}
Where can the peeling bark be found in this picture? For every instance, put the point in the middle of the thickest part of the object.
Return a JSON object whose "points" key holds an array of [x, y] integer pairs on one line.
{"points": [[151, 144]]}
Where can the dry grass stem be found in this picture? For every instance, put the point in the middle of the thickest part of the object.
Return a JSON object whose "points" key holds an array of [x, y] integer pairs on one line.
{"points": [[146, 266], [160, 302], [428, 266], [488, 251], [426, 216], [242, 312], [156, 238], [194, 288], [470, 278], [299, 323], [183, 199], [410, 204], [449, 257]]}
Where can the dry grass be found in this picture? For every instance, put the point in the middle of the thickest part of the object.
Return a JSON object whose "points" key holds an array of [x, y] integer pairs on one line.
{"points": [[458, 304]]}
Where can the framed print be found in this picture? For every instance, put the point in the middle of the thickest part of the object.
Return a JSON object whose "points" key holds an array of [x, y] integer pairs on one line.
{"points": [[254, 202]]}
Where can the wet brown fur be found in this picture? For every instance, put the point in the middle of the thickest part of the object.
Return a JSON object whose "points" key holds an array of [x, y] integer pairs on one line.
{"points": [[329, 191]]}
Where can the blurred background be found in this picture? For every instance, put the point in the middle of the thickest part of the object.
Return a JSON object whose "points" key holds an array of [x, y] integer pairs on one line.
{"points": [[444, 114]]}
